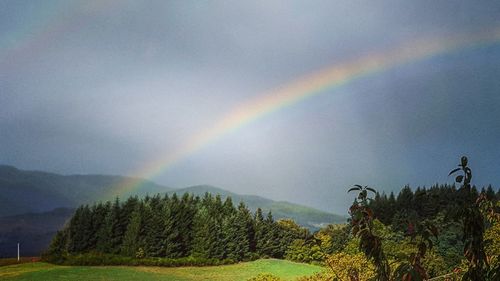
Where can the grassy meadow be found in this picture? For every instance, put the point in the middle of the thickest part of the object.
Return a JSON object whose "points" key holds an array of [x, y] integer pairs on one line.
{"points": [[242, 271]]}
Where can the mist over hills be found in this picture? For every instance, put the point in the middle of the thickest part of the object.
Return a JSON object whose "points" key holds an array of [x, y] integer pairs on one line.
{"points": [[35, 191], [33, 231], [24, 191], [35, 204]]}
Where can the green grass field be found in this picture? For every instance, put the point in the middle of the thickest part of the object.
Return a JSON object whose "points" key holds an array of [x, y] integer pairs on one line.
{"points": [[242, 271]]}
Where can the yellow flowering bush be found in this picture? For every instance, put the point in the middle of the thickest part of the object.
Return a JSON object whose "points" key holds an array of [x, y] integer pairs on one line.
{"points": [[350, 267], [492, 239]]}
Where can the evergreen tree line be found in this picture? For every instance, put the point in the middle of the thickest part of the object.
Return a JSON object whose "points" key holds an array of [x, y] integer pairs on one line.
{"points": [[173, 227], [423, 203], [439, 205]]}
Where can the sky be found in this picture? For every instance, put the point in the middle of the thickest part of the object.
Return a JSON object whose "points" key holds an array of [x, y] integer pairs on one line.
{"points": [[118, 87]]}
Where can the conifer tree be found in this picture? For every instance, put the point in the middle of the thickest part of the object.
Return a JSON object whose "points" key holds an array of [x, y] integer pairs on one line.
{"points": [[237, 244], [154, 239], [391, 209], [116, 228], [172, 217], [126, 212], [110, 235], [202, 236], [98, 215], [80, 230], [132, 237], [259, 232], [74, 231], [103, 232], [490, 193], [228, 207], [270, 244], [249, 226], [58, 246]]}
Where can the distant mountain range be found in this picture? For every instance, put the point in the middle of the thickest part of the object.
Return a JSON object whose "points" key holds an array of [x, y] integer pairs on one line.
{"points": [[34, 191], [34, 204]]}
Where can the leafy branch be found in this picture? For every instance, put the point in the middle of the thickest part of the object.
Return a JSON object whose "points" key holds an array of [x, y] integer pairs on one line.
{"points": [[473, 225], [362, 227]]}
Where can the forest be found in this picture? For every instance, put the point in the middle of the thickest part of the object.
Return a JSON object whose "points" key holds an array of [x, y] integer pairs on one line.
{"points": [[172, 227], [412, 235]]}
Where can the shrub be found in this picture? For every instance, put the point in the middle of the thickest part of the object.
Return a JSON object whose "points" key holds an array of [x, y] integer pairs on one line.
{"points": [[346, 266], [265, 277], [96, 258], [321, 276]]}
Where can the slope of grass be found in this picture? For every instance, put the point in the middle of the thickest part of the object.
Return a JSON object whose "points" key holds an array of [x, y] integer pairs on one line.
{"points": [[242, 271]]}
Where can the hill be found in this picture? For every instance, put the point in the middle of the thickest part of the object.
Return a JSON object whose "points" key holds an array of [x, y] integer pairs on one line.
{"points": [[33, 231], [303, 215], [34, 191], [35, 204]]}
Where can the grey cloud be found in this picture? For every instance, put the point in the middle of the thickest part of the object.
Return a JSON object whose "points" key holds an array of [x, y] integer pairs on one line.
{"points": [[104, 86]]}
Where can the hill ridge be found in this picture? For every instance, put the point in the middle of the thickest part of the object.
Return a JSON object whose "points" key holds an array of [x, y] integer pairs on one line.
{"points": [[307, 216], [34, 222], [50, 190]]}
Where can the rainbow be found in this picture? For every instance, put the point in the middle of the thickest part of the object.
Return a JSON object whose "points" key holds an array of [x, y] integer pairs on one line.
{"points": [[36, 34], [306, 87]]}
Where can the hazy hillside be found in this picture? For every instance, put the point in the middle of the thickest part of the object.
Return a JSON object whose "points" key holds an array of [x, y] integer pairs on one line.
{"points": [[303, 215], [28, 200], [33, 191], [33, 231]]}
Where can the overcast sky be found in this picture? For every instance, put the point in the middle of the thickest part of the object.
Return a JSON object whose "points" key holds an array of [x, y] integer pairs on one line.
{"points": [[105, 86]]}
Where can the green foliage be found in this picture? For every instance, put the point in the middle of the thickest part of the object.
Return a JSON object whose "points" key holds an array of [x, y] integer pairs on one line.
{"points": [[305, 251], [269, 245], [320, 276], [421, 253], [173, 227], [58, 248], [95, 259], [473, 225], [259, 231], [288, 231], [397, 234], [153, 239], [140, 253], [344, 266], [305, 216], [333, 238], [80, 230], [112, 231], [380, 245], [362, 227], [237, 244], [131, 238], [492, 240], [420, 234], [203, 237]]}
